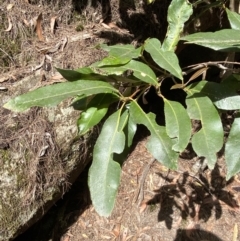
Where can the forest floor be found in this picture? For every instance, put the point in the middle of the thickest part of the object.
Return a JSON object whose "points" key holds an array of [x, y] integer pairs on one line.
{"points": [[153, 203]]}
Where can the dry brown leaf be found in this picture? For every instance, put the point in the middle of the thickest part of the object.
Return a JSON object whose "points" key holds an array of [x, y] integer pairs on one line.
{"points": [[26, 22], [143, 206], [39, 27], [3, 79], [198, 73], [53, 24], [57, 77], [177, 86], [10, 6], [9, 25], [124, 235], [116, 230]]}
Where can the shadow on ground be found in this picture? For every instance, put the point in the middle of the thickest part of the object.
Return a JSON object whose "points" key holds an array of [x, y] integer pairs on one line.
{"points": [[197, 198], [195, 234], [150, 22]]}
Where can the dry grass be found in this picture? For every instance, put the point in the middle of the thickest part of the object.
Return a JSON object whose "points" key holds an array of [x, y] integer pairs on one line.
{"points": [[32, 163]]}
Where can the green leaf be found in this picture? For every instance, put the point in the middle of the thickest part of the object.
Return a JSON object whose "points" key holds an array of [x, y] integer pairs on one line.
{"points": [[159, 143], [53, 94], [104, 174], [224, 40], [122, 51], [179, 12], [96, 110], [112, 60], [223, 95], [119, 54], [140, 71], [209, 139], [70, 75], [232, 149], [89, 118], [102, 100], [165, 59], [234, 19], [178, 124], [129, 131], [84, 73], [85, 70], [81, 102], [233, 81]]}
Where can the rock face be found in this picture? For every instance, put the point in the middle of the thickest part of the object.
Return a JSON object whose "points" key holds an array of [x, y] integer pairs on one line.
{"points": [[40, 156]]}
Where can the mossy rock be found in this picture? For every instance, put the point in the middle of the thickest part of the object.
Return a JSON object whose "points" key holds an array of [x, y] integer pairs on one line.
{"points": [[40, 157]]}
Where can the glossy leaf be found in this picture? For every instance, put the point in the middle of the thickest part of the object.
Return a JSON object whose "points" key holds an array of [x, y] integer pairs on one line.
{"points": [[112, 60], [122, 51], [233, 81], [165, 59], [119, 54], [104, 174], [179, 12], [234, 19], [223, 95], [80, 103], [140, 71], [96, 109], [53, 94], [102, 100], [224, 40], [70, 75], [89, 118], [209, 139], [232, 149], [129, 131], [85, 70], [159, 143], [85, 73], [178, 124]]}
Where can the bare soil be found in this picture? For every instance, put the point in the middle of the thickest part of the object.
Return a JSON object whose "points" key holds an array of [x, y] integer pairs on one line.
{"points": [[153, 203]]}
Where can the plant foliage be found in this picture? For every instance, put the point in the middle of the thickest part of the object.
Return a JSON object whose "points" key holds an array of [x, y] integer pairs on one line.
{"points": [[124, 77]]}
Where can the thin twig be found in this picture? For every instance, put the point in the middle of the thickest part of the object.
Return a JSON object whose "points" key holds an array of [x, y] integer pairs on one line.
{"points": [[7, 55], [198, 180], [140, 193]]}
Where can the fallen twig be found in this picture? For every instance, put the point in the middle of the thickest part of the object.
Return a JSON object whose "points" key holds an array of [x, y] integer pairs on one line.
{"points": [[140, 193]]}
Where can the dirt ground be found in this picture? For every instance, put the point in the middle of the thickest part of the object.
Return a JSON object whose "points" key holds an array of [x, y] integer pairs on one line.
{"points": [[153, 203]]}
